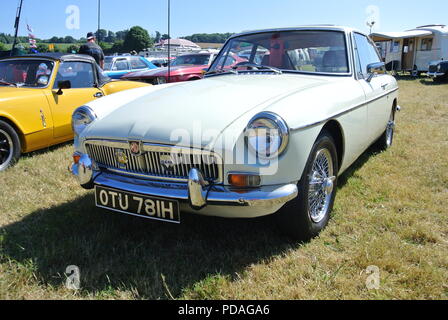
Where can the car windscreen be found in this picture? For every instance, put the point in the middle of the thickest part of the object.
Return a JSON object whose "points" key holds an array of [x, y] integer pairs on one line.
{"points": [[26, 73], [192, 60], [310, 51], [108, 61]]}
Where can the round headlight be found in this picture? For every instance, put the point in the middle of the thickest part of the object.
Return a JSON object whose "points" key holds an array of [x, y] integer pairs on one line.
{"points": [[267, 135], [82, 117]]}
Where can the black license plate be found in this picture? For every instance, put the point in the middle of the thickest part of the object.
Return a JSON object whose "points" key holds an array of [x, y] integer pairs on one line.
{"points": [[137, 204]]}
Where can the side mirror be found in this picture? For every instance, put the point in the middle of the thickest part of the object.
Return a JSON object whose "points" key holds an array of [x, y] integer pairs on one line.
{"points": [[63, 85], [374, 69]]}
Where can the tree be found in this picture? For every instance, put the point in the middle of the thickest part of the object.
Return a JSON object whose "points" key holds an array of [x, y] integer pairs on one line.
{"points": [[73, 48], [3, 47], [137, 39], [121, 35], [42, 47], [117, 47], [101, 35], [69, 39], [165, 37], [158, 37], [110, 37]]}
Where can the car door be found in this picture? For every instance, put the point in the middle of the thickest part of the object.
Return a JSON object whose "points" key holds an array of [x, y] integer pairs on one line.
{"points": [[83, 89], [375, 89]]}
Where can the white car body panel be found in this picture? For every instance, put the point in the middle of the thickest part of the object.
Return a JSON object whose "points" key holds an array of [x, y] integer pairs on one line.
{"points": [[221, 107]]}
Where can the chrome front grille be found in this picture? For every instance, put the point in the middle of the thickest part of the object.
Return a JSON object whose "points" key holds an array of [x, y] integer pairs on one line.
{"points": [[155, 161]]}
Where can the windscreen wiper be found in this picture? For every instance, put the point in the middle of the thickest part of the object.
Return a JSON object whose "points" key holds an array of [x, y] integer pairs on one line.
{"points": [[257, 67], [222, 71]]}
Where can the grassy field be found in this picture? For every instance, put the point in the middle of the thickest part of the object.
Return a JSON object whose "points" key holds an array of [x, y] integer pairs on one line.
{"points": [[391, 212]]}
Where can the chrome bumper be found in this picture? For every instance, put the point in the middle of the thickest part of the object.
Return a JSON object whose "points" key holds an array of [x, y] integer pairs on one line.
{"points": [[435, 74], [197, 193]]}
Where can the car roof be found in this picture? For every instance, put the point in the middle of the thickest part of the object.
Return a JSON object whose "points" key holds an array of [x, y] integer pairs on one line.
{"points": [[57, 56], [323, 27]]}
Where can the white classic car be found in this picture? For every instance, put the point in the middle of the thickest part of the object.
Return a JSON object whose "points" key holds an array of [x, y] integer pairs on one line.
{"points": [[269, 135]]}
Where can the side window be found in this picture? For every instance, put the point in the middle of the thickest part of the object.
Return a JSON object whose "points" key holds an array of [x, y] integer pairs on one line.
{"points": [[80, 74], [426, 44], [137, 63], [121, 64], [366, 53]]}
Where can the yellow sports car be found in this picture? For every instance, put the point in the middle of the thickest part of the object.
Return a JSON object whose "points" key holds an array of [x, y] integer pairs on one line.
{"points": [[38, 94]]}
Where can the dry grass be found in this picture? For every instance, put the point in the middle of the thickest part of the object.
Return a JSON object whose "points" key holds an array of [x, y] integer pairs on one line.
{"points": [[391, 211]]}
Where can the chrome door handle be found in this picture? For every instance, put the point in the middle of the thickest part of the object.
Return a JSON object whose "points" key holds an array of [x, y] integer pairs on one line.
{"points": [[98, 95]]}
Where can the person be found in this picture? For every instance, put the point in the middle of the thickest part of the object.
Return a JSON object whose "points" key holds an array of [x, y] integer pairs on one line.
{"points": [[92, 49]]}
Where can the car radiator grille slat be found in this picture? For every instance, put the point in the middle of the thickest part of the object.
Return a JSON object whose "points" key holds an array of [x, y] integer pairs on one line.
{"points": [[149, 164]]}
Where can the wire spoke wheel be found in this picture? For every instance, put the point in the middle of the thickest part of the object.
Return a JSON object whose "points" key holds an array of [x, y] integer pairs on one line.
{"points": [[321, 186], [6, 149], [390, 130]]}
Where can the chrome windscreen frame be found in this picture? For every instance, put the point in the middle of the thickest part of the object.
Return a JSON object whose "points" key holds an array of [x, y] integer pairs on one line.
{"points": [[151, 147]]}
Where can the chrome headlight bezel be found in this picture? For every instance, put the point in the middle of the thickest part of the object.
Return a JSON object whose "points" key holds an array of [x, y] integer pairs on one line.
{"points": [[270, 125], [81, 118]]}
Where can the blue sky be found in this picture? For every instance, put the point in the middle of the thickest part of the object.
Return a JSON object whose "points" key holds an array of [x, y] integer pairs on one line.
{"points": [[48, 17]]}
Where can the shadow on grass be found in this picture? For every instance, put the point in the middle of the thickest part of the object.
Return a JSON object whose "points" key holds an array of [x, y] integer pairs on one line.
{"points": [[430, 82], [120, 252], [372, 151], [48, 149]]}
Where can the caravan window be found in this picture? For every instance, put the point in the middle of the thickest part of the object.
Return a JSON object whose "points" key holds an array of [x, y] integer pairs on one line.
{"points": [[395, 47], [426, 45]]}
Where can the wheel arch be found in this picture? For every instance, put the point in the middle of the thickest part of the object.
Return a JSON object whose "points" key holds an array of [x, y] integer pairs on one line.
{"points": [[336, 131], [17, 129]]}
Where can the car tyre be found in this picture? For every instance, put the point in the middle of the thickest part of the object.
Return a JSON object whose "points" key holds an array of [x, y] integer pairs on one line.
{"points": [[307, 215], [387, 138], [10, 147]]}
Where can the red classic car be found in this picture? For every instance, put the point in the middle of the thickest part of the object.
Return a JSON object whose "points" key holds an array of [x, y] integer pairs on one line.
{"points": [[184, 68]]}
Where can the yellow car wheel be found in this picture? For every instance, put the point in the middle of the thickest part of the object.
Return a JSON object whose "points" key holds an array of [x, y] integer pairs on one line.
{"points": [[9, 146]]}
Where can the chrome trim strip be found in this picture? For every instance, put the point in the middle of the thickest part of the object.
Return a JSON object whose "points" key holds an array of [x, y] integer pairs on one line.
{"points": [[217, 195], [343, 112]]}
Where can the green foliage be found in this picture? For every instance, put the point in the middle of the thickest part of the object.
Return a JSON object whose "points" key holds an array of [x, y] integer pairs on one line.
{"points": [[69, 39], [158, 37], [42, 47], [3, 47], [137, 39], [116, 48], [73, 48], [101, 35]]}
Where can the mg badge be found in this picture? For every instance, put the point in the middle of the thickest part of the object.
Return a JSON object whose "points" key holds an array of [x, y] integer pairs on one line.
{"points": [[135, 148], [167, 162], [122, 158]]}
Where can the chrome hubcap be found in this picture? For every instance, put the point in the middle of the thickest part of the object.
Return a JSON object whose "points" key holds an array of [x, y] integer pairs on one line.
{"points": [[321, 186], [390, 130], [5, 149]]}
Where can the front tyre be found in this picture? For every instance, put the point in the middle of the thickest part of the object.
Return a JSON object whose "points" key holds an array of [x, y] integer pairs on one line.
{"points": [[387, 139], [306, 216], [10, 147]]}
